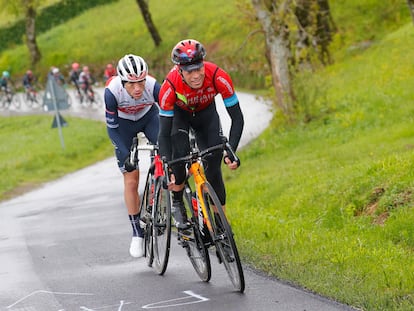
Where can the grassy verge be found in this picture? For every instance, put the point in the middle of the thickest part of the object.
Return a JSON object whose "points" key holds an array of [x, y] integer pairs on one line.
{"points": [[31, 151], [329, 204]]}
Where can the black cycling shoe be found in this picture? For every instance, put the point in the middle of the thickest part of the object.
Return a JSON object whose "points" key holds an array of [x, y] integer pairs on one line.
{"points": [[180, 215]]}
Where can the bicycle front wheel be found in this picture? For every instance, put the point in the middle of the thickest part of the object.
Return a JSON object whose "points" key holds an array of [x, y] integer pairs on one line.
{"points": [[146, 219], [197, 250], [223, 238], [161, 227]]}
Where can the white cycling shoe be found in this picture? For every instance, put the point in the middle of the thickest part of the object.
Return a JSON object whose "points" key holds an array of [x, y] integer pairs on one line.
{"points": [[136, 249]]}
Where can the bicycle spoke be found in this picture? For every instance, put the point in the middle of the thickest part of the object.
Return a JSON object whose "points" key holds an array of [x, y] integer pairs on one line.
{"points": [[196, 249]]}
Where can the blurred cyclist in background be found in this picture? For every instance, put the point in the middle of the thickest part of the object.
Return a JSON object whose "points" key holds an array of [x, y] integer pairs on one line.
{"points": [[74, 76], [28, 82], [109, 72], [85, 81], [4, 80], [57, 76]]}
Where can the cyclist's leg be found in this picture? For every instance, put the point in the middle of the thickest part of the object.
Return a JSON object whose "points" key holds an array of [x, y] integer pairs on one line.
{"points": [[180, 147], [131, 182], [207, 130]]}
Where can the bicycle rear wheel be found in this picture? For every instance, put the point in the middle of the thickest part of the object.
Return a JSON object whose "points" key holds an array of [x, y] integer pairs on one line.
{"points": [[146, 219], [161, 227], [197, 250], [223, 238]]}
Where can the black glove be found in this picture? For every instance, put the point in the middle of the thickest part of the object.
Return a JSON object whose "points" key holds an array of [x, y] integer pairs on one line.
{"points": [[129, 167]]}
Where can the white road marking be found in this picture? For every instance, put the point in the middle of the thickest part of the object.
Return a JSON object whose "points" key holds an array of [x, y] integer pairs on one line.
{"points": [[46, 292], [195, 298]]}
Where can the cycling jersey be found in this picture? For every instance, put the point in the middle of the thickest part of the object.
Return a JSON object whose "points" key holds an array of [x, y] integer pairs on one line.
{"points": [[3, 82], [85, 80], [175, 91], [28, 81], [126, 116], [74, 77]]}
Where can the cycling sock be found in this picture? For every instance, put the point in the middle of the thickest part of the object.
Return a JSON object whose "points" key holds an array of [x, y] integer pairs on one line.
{"points": [[136, 228]]}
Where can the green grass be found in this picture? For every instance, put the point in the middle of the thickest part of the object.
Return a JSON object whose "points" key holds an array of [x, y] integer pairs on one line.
{"points": [[330, 207], [326, 204], [31, 150]]}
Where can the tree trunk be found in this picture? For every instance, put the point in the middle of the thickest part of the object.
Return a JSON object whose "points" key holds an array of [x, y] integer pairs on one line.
{"points": [[411, 7], [31, 43], [277, 45], [325, 28], [148, 21]]}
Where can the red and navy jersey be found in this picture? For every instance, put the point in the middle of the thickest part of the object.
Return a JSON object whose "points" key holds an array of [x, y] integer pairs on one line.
{"points": [[174, 91]]}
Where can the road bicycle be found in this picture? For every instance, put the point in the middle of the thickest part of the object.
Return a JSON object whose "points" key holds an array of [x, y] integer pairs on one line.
{"points": [[209, 224], [32, 98], [155, 213], [8, 98], [89, 97]]}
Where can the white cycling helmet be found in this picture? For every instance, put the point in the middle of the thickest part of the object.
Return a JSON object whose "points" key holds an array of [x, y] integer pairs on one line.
{"points": [[132, 68]]}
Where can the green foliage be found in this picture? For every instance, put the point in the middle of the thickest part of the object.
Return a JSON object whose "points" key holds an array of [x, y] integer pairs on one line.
{"points": [[222, 30], [49, 17], [362, 23]]}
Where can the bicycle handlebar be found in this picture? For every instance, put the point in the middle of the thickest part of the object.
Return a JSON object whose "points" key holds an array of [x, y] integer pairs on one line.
{"points": [[196, 154]]}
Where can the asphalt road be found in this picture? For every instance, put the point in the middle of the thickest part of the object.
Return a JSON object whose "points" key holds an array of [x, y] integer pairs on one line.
{"points": [[65, 247]]}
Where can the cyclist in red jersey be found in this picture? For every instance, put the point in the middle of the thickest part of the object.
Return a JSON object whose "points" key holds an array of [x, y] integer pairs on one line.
{"points": [[109, 72], [187, 99]]}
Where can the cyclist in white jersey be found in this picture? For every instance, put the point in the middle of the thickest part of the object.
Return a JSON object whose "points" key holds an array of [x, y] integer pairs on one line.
{"points": [[131, 102]]}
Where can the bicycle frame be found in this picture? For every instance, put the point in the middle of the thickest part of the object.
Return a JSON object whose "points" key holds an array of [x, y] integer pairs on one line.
{"points": [[197, 171], [156, 210]]}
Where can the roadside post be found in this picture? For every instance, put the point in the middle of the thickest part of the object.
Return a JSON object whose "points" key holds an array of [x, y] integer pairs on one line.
{"points": [[56, 99]]}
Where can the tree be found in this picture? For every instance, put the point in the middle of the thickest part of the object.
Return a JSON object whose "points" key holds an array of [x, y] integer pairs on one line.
{"points": [[143, 5], [30, 16], [411, 7], [28, 9], [273, 20], [294, 31]]}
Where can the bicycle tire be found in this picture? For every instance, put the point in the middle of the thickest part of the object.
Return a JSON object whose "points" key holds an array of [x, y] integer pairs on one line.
{"points": [[223, 238], [161, 226], [15, 101], [146, 219], [98, 100], [197, 250], [2, 101]]}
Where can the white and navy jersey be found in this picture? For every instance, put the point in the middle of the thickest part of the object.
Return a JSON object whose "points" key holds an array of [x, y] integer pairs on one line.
{"points": [[119, 104], [125, 116]]}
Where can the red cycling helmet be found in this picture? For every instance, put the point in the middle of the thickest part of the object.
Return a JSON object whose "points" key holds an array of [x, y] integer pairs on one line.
{"points": [[188, 54]]}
